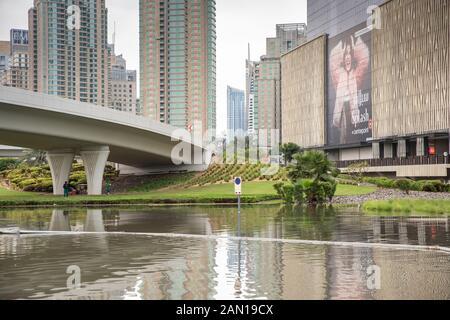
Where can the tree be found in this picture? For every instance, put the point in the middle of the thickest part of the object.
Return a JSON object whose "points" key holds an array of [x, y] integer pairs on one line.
{"points": [[313, 165], [313, 179], [358, 170], [289, 150], [35, 158]]}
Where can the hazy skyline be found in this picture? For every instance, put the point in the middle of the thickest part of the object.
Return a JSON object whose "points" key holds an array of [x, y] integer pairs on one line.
{"points": [[238, 23]]}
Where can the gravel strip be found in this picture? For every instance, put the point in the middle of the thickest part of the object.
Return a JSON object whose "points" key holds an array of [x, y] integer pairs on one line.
{"points": [[390, 194]]}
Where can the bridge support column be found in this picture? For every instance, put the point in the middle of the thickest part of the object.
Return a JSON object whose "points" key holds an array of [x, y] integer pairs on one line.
{"points": [[60, 163], [94, 160]]}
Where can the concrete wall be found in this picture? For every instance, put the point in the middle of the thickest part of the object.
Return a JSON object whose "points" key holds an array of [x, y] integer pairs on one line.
{"points": [[302, 96], [355, 154]]}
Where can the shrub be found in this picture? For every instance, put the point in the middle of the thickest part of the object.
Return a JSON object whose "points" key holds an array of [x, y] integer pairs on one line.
{"points": [[8, 164], [27, 183], [385, 183], [405, 185], [433, 186]]}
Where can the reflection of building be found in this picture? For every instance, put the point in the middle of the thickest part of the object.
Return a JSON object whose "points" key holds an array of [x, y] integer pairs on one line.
{"points": [[178, 62], [235, 112], [382, 103], [70, 63], [122, 84]]}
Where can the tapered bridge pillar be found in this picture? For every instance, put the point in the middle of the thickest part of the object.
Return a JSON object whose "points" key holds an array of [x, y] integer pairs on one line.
{"points": [[60, 163], [94, 160]]}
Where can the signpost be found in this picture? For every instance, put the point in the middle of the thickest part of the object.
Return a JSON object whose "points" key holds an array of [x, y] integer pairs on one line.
{"points": [[238, 191]]}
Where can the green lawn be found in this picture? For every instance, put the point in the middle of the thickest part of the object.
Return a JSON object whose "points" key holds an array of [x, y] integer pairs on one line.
{"points": [[9, 193], [349, 190], [408, 206], [253, 192]]}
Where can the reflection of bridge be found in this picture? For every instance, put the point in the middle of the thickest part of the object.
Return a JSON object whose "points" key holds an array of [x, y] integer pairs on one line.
{"points": [[65, 128]]}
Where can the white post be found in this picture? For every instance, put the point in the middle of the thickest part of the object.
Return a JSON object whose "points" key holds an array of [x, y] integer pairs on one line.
{"points": [[60, 163], [94, 160]]}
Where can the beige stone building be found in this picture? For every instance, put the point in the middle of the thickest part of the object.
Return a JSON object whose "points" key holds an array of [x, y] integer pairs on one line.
{"points": [[390, 105], [303, 87]]}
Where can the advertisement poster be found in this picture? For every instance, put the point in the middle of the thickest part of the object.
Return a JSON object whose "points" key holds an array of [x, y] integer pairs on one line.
{"points": [[19, 37], [349, 87]]}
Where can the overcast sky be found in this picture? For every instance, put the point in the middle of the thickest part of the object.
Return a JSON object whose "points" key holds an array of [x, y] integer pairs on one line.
{"points": [[238, 23]]}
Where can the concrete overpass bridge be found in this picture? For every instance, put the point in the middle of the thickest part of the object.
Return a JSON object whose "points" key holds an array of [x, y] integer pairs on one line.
{"points": [[65, 128]]}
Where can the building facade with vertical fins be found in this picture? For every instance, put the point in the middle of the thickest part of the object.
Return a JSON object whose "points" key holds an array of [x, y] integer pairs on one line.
{"points": [[178, 62], [386, 94]]}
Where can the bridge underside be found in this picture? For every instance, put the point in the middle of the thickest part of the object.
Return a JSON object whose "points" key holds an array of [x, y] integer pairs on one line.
{"points": [[126, 156], [66, 128]]}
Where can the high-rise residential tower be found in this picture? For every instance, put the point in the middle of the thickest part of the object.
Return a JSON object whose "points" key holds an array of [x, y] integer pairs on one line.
{"points": [[4, 56], [288, 37], [264, 79], [235, 112], [16, 72], [122, 84], [68, 49], [178, 62]]}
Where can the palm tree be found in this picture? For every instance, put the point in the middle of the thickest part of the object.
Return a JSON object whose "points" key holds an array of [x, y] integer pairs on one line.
{"points": [[313, 165]]}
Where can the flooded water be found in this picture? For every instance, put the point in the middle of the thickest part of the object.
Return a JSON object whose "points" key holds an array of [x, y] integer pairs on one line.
{"points": [[109, 264]]}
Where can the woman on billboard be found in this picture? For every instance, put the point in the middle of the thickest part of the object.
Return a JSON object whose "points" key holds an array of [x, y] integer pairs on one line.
{"points": [[349, 63]]}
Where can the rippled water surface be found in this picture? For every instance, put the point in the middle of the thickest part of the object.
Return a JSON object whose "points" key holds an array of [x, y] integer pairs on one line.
{"points": [[138, 266]]}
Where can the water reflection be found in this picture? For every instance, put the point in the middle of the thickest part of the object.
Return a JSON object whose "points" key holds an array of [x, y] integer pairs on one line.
{"points": [[142, 267]]}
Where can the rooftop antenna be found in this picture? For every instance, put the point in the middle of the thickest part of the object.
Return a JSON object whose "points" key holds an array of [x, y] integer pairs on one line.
{"points": [[249, 51]]}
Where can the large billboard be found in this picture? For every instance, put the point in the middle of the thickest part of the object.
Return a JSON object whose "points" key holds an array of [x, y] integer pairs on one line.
{"points": [[349, 114]]}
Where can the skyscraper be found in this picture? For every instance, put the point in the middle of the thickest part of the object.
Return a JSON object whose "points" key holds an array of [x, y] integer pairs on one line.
{"points": [[252, 74], [288, 37], [15, 73], [68, 49], [178, 62], [4, 56], [122, 84], [235, 112], [264, 79]]}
